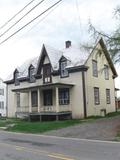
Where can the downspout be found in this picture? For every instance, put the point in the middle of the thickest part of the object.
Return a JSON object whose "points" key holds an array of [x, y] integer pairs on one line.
{"points": [[84, 94]]}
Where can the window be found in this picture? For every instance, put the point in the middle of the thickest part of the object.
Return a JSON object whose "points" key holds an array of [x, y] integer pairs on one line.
{"points": [[47, 98], [96, 96], [31, 74], [1, 105], [16, 75], [106, 71], [47, 73], [34, 98], [108, 96], [2, 92], [18, 99], [64, 97], [94, 67], [63, 70]]}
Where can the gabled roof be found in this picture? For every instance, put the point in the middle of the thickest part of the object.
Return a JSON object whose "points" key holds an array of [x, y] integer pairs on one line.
{"points": [[53, 56], [107, 55], [23, 69], [76, 57]]}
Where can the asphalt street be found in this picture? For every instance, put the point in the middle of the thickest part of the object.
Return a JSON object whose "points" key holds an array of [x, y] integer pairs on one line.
{"points": [[18, 146]]}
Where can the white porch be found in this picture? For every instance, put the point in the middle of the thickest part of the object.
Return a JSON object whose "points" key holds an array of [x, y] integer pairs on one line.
{"points": [[41, 108]]}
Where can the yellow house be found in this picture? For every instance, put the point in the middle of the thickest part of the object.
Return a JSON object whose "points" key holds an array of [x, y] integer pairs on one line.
{"points": [[63, 84]]}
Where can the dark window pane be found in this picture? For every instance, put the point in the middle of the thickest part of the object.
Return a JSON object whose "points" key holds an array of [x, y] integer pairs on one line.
{"points": [[47, 73], [108, 96], [64, 97], [96, 96], [47, 98], [34, 97]]}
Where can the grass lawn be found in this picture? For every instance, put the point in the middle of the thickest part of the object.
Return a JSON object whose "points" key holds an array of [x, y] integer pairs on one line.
{"points": [[36, 127], [18, 125]]}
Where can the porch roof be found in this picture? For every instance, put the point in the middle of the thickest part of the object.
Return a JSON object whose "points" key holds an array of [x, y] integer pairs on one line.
{"points": [[44, 86]]}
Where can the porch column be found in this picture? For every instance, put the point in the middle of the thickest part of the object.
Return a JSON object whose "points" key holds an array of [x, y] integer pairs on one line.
{"points": [[38, 100], [57, 99], [30, 105], [15, 102]]}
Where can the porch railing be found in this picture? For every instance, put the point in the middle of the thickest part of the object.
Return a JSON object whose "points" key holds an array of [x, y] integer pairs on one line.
{"points": [[62, 108], [34, 109], [48, 109], [22, 109]]}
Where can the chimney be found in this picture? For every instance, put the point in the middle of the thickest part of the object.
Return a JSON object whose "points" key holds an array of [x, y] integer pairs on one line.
{"points": [[68, 44]]}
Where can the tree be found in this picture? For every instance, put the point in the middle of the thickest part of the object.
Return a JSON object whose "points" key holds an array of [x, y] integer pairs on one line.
{"points": [[112, 40]]}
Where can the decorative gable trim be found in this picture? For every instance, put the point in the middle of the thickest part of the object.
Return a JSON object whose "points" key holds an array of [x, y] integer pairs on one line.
{"points": [[41, 60], [107, 55]]}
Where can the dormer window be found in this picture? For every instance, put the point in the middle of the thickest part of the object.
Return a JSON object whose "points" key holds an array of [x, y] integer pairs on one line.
{"points": [[16, 75], [63, 70], [31, 73]]}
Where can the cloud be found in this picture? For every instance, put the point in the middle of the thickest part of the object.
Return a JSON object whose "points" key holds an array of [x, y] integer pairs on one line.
{"points": [[67, 22]]}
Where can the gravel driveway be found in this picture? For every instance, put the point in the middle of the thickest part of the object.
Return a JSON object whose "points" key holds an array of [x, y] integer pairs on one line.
{"points": [[101, 129]]}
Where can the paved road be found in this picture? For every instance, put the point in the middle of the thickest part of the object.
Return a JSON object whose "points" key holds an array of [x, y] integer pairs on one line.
{"points": [[101, 129], [28, 147]]}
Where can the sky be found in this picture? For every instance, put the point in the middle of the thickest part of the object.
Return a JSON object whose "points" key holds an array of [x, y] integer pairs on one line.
{"points": [[68, 21]]}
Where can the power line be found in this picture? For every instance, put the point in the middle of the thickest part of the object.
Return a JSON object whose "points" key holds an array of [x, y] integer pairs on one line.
{"points": [[21, 18], [30, 22], [43, 18], [16, 14]]}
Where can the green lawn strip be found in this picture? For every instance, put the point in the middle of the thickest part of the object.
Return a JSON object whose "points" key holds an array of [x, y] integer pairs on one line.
{"points": [[40, 127], [8, 121], [18, 125], [113, 114]]}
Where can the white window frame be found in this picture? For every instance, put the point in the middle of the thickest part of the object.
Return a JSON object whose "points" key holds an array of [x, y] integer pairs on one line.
{"points": [[106, 72], [64, 96], [96, 96], [94, 68], [63, 70], [108, 99], [31, 74]]}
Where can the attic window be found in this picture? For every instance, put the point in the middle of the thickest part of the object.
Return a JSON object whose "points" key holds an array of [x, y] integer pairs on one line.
{"points": [[16, 75], [94, 68], [63, 70], [31, 73], [106, 72]]}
